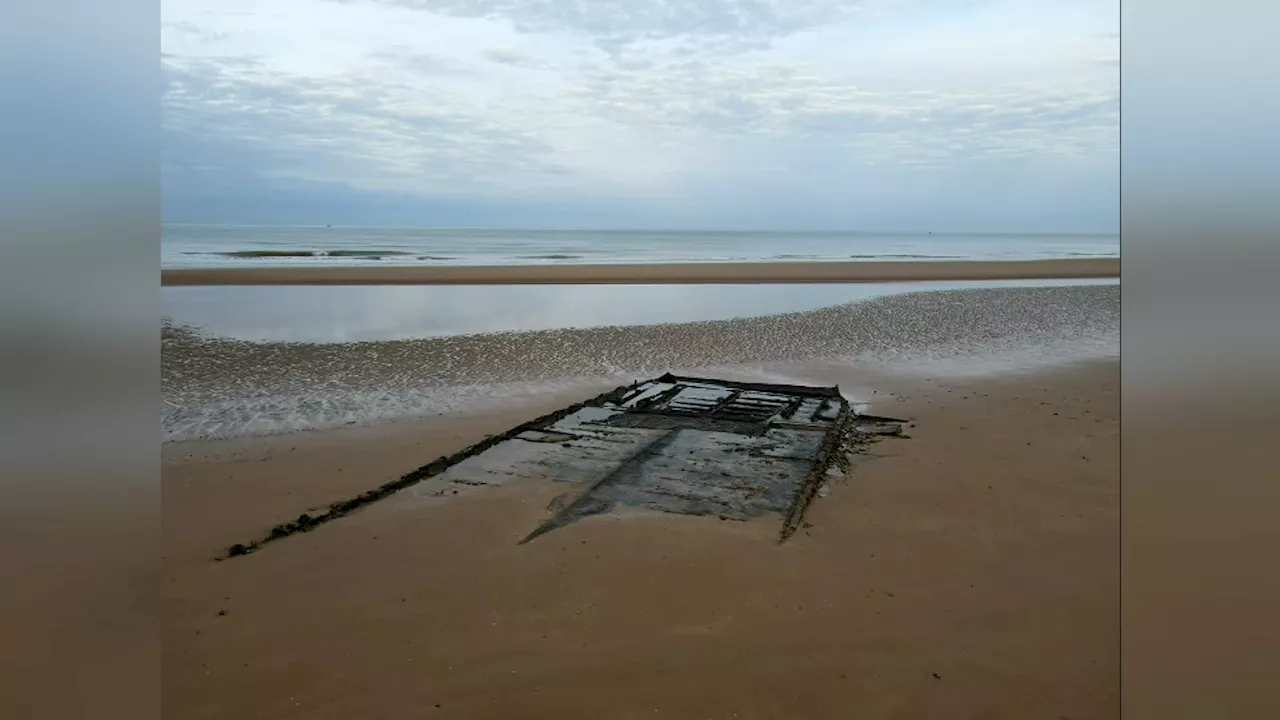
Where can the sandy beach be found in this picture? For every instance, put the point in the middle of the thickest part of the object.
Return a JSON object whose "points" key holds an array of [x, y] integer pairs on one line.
{"points": [[970, 570], [639, 273]]}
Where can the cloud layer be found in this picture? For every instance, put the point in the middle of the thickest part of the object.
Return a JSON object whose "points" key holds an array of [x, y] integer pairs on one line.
{"points": [[914, 114]]}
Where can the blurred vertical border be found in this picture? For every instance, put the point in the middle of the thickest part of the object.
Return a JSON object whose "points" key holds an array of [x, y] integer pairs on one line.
{"points": [[79, 448], [1200, 165]]}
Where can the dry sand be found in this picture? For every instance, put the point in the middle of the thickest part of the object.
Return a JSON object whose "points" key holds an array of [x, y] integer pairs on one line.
{"points": [[972, 571], [764, 272]]}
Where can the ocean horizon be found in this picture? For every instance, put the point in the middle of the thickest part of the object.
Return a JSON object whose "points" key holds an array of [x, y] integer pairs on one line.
{"points": [[189, 245]]}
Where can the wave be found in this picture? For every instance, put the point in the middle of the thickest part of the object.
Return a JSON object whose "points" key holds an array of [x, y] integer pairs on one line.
{"points": [[909, 257], [362, 254], [551, 256]]}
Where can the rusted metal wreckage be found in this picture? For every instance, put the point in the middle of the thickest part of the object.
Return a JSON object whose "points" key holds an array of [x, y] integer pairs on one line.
{"points": [[673, 444]]}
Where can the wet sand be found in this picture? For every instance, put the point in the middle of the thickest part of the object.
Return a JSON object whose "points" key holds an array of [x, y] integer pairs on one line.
{"points": [[216, 387], [764, 272], [970, 571]]}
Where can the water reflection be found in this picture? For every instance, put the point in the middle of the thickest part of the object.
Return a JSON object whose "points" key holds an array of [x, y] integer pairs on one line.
{"points": [[341, 314]]}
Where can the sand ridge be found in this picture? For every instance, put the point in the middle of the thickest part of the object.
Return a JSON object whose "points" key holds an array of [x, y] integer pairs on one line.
{"points": [[664, 273]]}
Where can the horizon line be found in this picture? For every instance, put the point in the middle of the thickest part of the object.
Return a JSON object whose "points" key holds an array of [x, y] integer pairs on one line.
{"points": [[638, 229]]}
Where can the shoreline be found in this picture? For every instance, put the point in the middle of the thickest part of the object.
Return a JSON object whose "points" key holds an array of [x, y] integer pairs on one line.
{"points": [[651, 273]]}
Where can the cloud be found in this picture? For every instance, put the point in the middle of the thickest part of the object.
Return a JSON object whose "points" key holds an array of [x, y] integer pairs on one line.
{"points": [[507, 56], [195, 31], [419, 63], [332, 130], [723, 112], [649, 19]]}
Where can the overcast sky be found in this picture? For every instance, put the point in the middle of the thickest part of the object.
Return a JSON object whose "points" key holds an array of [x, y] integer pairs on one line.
{"points": [[967, 115]]}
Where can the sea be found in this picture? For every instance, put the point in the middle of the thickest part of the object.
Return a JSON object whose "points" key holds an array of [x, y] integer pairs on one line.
{"points": [[192, 246]]}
